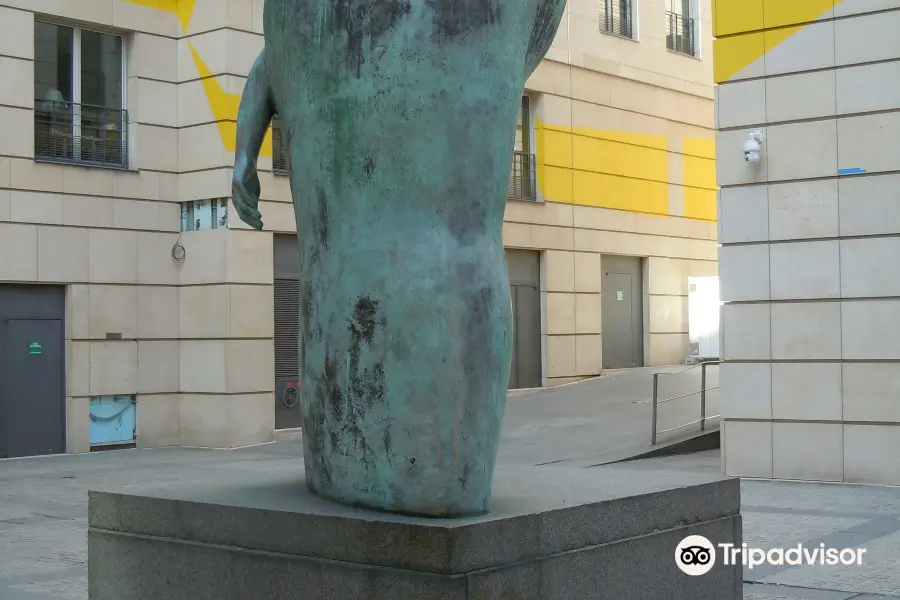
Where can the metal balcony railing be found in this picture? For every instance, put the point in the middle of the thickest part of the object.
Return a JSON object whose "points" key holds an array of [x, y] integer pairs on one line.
{"points": [[680, 34], [522, 181], [702, 391], [279, 155], [80, 134], [617, 18]]}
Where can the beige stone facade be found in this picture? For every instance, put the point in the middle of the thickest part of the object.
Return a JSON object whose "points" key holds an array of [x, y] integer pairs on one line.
{"points": [[809, 239], [618, 138]]}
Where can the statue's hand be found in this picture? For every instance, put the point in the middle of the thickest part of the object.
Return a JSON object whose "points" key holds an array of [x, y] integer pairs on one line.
{"points": [[245, 190]]}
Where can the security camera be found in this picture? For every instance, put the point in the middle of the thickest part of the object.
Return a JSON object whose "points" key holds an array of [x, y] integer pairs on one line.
{"points": [[752, 148]]}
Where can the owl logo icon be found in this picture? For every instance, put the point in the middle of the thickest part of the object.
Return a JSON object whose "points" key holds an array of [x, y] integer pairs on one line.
{"points": [[695, 555]]}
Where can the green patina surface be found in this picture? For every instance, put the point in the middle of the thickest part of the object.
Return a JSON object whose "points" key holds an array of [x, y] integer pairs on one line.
{"points": [[399, 119]]}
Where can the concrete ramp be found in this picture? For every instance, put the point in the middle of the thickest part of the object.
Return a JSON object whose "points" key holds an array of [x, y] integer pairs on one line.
{"points": [[608, 419]]}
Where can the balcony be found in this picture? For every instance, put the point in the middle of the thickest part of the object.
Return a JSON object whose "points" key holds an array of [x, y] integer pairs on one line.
{"points": [[522, 185], [80, 134], [680, 34], [616, 18]]}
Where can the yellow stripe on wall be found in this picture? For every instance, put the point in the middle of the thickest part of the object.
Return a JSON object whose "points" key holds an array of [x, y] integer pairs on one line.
{"points": [[609, 169], [700, 179], [622, 170], [738, 16]]}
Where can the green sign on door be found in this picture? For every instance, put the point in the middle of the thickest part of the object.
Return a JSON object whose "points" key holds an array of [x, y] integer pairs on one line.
{"points": [[34, 347]]}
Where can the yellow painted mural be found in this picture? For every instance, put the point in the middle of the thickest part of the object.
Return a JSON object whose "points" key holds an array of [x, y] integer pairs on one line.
{"points": [[589, 167], [224, 106], [746, 29], [622, 170], [184, 9], [700, 178]]}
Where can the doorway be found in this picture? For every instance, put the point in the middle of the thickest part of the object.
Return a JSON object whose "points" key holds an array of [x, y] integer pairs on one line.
{"points": [[524, 267], [622, 312], [32, 371]]}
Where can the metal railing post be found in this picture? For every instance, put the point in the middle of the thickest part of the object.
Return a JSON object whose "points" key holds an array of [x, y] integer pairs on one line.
{"points": [[703, 397], [702, 391], [655, 400]]}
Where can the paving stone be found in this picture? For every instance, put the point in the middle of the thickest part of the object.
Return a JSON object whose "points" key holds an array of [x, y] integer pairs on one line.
{"points": [[877, 575], [797, 497], [73, 588], [779, 530], [765, 591]]}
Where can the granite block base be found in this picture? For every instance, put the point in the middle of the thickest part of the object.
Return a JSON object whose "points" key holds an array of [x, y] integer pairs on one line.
{"points": [[552, 534]]}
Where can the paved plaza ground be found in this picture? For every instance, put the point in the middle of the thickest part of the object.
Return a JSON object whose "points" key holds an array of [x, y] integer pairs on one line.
{"points": [[43, 519]]}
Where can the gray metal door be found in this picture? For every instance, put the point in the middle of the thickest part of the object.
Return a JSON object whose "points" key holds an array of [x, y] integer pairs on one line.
{"points": [[524, 289], [622, 312], [32, 387], [288, 413], [526, 337]]}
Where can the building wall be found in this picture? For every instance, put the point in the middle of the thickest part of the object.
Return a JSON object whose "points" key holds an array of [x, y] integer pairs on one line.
{"points": [[196, 337], [624, 142], [623, 137], [625, 165], [809, 238]]}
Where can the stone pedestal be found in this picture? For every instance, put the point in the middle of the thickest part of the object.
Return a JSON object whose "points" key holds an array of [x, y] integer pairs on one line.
{"points": [[604, 533]]}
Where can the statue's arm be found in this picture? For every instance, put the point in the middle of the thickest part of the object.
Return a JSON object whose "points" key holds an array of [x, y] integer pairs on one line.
{"points": [[254, 116], [548, 15]]}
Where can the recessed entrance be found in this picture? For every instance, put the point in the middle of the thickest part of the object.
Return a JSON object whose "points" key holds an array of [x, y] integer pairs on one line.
{"points": [[524, 268]]}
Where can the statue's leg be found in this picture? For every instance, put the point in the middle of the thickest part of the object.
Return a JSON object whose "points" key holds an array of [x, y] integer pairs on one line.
{"points": [[254, 116]]}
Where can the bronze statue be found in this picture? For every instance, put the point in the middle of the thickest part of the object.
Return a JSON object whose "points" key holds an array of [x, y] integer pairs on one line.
{"points": [[399, 120]]}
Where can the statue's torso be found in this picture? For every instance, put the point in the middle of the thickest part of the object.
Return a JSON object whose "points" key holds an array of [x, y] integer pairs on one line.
{"points": [[400, 103]]}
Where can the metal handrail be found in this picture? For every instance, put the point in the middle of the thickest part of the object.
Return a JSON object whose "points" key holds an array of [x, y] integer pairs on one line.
{"points": [[689, 424], [692, 367], [656, 401], [684, 395], [80, 133], [522, 182], [680, 34], [616, 18]]}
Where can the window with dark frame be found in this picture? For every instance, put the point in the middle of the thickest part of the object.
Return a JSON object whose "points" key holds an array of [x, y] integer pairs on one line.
{"points": [[617, 18], [279, 154], [522, 181], [681, 27], [79, 109]]}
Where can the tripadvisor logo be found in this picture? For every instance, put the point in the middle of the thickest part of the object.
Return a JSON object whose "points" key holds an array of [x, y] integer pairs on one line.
{"points": [[695, 555]]}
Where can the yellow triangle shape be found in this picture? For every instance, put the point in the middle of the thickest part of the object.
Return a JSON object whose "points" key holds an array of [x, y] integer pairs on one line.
{"points": [[185, 10], [224, 106], [734, 53]]}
